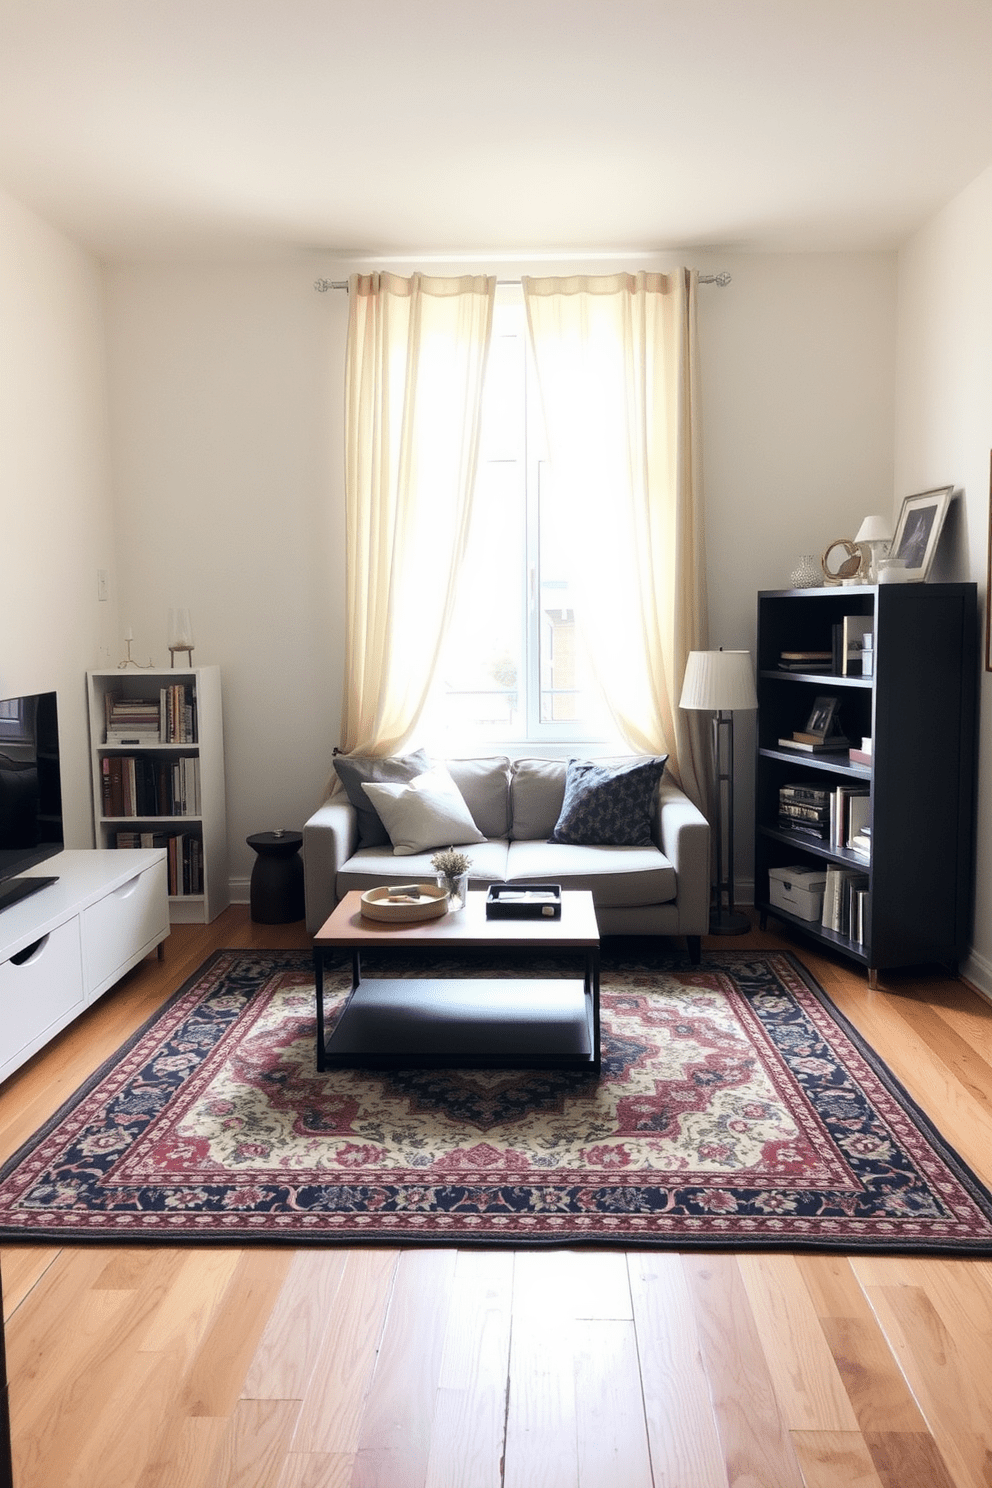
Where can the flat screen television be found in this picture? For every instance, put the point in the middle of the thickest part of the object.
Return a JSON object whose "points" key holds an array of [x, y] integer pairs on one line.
{"points": [[30, 792]]}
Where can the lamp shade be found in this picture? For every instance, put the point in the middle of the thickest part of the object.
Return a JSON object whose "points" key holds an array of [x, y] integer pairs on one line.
{"points": [[717, 681], [874, 529]]}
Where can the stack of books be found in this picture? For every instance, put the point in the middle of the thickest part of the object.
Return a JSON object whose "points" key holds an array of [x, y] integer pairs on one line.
{"points": [[168, 719], [804, 810], [132, 720], [812, 744], [805, 661]]}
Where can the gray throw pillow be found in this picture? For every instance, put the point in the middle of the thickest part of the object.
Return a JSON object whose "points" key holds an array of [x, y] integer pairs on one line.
{"points": [[353, 771], [609, 805]]}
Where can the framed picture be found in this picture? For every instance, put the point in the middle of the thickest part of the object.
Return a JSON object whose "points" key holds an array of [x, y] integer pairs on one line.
{"points": [[821, 719], [918, 530]]}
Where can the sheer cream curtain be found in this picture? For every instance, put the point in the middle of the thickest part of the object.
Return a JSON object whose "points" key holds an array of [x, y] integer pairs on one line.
{"points": [[413, 387], [616, 368]]}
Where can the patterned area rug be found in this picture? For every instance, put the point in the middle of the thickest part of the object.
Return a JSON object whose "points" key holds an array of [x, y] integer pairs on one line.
{"points": [[736, 1108]]}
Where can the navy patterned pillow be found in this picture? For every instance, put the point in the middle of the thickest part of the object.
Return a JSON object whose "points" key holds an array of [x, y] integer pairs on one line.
{"points": [[609, 806]]}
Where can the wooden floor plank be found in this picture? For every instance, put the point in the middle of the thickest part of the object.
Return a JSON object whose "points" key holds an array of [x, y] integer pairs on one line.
{"points": [[316, 1470], [255, 1444], [835, 1459], [287, 1352], [218, 1373], [468, 1430], [348, 1340], [908, 1460], [810, 1392], [756, 1445], [21, 1267], [611, 1429], [953, 1398], [684, 1442], [541, 1431], [394, 1443], [184, 1453]]}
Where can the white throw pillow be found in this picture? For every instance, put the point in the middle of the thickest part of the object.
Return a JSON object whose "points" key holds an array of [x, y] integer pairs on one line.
{"points": [[426, 812]]}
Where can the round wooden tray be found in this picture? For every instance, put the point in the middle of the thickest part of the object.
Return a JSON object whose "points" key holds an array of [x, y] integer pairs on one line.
{"points": [[432, 904]]}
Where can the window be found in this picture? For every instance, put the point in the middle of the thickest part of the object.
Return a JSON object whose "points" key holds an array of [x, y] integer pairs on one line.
{"points": [[512, 670]]}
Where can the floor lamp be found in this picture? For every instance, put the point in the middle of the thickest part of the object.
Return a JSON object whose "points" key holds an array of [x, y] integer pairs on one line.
{"points": [[720, 682]]}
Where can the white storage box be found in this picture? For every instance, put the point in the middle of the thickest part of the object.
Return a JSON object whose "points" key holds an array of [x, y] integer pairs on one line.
{"points": [[798, 890]]}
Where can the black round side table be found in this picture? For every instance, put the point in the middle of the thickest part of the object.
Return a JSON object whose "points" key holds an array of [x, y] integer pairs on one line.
{"points": [[277, 878]]}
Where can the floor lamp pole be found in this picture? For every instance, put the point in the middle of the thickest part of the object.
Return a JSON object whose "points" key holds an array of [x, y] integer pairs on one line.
{"points": [[725, 920]]}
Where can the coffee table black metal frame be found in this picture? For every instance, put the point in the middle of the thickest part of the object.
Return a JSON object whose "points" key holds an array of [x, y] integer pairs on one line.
{"points": [[538, 1022]]}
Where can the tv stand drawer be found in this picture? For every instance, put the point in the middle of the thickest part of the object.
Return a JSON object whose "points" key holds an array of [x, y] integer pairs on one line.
{"points": [[41, 989]]}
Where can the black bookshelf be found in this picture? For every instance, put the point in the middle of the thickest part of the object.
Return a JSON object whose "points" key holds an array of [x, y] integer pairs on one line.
{"points": [[919, 708]]}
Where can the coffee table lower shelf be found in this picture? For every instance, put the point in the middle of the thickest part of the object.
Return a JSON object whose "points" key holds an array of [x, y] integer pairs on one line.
{"points": [[465, 1023]]}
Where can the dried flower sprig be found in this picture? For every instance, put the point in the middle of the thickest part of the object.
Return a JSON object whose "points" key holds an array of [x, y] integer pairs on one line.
{"points": [[450, 862]]}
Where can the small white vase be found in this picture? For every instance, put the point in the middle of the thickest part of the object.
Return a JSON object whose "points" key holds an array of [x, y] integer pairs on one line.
{"points": [[807, 573]]}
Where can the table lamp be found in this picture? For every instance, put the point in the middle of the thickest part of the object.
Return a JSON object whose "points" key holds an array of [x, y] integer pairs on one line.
{"points": [[876, 534], [720, 682]]}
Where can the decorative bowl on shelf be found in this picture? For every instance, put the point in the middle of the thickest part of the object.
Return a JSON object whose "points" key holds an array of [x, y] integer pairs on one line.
{"points": [[430, 903]]}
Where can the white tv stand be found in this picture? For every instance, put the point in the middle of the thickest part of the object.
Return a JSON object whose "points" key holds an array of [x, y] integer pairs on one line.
{"points": [[63, 947]]}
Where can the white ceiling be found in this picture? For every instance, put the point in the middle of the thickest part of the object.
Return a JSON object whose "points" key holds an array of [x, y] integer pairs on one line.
{"points": [[217, 129]]}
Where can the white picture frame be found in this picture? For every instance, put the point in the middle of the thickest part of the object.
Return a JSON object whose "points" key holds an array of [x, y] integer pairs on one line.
{"points": [[918, 530]]}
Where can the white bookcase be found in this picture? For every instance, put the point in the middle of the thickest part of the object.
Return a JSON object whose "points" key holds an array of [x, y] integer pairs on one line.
{"points": [[167, 788]]}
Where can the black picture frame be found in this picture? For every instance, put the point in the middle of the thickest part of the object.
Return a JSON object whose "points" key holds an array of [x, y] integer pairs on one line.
{"points": [[821, 718]]}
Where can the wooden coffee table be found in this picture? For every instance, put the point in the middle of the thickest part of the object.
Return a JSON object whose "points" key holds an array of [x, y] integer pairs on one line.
{"points": [[463, 1022]]}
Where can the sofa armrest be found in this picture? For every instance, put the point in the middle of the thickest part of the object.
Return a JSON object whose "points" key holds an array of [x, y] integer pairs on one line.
{"points": [[683, 835], [329, 839]]}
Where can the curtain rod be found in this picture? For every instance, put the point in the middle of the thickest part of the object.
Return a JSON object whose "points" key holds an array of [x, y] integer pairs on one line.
{"points": [[323, 285]]}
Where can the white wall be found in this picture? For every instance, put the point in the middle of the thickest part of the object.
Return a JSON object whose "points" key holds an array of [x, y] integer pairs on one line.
{"points": [[797, 371], [226, 387], [944, 436], [57, 527], [226, 390]]}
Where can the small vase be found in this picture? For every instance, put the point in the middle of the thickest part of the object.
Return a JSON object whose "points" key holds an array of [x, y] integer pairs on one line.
{"points": [[807, 573], [457, 887]]}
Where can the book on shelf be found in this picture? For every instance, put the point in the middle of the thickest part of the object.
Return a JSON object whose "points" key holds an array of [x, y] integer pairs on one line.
{"points": [[143, 785], [845, 800], [803, 793], [805, 661], [858, 812], [801, 811], [815, 831], [168, 719], [840, 902], [836, 745]]}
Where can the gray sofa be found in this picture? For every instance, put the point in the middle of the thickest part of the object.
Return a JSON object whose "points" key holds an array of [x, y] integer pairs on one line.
{"points": [[663, 889]]}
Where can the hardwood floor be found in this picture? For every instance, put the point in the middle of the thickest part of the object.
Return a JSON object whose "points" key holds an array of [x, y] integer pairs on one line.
{"points": [[374, 1368]]}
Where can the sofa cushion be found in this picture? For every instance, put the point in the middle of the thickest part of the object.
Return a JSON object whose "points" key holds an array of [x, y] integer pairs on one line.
{"points": [[609, 805], [371, 867], [354, 770], [537, 789], [616, 876], [485, 784], [428, 811]]}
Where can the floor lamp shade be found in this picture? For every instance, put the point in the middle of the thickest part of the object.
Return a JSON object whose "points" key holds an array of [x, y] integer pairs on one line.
{"points": [[722, 682], [718, 682]]}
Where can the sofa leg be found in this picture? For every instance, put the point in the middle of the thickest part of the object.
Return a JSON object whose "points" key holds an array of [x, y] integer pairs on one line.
{"points": [[694, 945]]}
